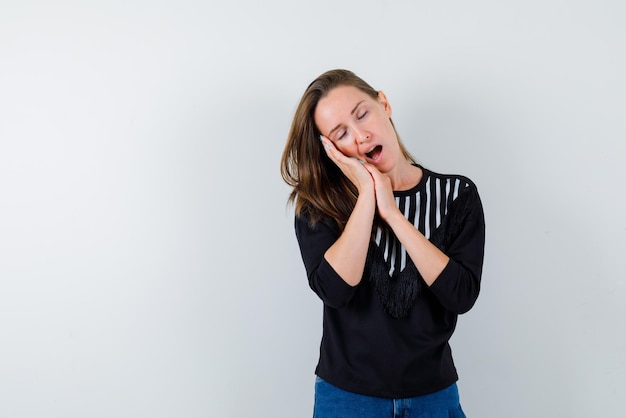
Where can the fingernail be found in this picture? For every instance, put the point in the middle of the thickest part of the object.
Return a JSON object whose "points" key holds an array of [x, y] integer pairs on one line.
{"points": [[326, 146], [321, 138], [362, 162]]}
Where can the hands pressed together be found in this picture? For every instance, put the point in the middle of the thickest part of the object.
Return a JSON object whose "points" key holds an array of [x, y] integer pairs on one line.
{"points": [[366, 178], [347, 255]]}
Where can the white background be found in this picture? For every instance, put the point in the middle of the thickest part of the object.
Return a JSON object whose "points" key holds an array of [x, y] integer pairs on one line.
{"points": [[148, 266]]}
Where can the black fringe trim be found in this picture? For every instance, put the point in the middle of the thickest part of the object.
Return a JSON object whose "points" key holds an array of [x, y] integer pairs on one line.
{"points": [[396, 293]]}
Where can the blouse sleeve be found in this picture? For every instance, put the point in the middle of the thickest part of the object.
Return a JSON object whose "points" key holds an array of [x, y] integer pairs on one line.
{"points": [[458, 285], [323, 279]]}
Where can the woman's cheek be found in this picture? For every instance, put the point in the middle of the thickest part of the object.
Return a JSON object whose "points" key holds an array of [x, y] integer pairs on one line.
{"points": [[349, 151]]}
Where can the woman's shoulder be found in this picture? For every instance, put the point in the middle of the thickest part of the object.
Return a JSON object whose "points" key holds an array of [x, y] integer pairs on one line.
{"points": [[459, 181], [313, 219]]}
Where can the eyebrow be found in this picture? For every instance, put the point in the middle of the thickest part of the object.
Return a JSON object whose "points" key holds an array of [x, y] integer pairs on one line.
{"points": [[352, 113]]}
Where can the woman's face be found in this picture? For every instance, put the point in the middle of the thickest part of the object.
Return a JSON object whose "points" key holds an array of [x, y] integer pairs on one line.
{"points": [[359, 126]]}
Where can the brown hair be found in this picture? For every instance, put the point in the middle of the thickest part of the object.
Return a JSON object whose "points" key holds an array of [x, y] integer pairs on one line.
{"points": [[319, 186]]}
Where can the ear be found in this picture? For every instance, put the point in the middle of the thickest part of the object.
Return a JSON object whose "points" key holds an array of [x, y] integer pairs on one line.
{"points": [[382, 99]]}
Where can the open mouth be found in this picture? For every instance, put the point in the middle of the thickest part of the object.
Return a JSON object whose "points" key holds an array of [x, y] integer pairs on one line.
{"points": [[374, 152]]}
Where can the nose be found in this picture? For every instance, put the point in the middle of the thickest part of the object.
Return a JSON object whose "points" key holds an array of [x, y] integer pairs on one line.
{"points": [[362, 137]]}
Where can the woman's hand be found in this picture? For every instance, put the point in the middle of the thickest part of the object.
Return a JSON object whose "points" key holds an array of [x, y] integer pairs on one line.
{"points": [[385, 201], [351, 167]]}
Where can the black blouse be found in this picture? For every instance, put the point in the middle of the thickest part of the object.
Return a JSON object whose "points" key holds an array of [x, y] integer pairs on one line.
{"points": [[388, 336]]}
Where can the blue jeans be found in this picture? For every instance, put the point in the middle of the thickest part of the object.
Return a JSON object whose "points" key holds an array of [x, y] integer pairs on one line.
{"points": [[332, 402]]}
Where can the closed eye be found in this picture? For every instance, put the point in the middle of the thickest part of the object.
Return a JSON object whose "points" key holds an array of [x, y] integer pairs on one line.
{"points": [[361, 115]]}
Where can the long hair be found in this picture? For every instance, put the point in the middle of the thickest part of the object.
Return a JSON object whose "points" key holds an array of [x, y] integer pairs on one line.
{"points": [[319, 186]]}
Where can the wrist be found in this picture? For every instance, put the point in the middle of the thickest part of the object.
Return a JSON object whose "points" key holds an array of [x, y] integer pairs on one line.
{"points": [[394, 217], [366, 191], [366, 199]]}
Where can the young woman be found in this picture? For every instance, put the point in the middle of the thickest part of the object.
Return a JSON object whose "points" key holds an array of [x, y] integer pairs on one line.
{"points": [[394, 251]]}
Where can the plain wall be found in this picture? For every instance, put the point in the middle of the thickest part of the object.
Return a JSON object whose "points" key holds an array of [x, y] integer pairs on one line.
{"points": [[148, 266]]}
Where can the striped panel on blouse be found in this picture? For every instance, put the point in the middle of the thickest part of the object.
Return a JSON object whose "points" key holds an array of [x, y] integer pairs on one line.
{"points": [[425, 210]]}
